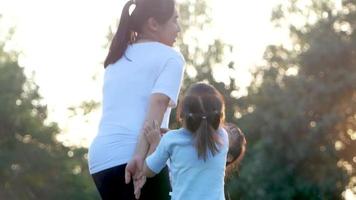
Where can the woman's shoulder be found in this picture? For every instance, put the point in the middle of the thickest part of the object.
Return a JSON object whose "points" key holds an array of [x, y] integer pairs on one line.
{"points": [[169, 51], [161, 50]]}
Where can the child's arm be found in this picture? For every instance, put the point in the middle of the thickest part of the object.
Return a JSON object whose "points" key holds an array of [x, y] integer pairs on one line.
{"points": [[147, 171], [153, 136]]}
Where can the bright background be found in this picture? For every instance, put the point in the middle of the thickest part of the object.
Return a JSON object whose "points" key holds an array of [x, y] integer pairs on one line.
{"points": [[62, 48], [62, 44]]}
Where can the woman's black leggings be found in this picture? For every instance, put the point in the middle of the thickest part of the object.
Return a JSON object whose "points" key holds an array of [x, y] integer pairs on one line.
{"points": [[111, 185]]}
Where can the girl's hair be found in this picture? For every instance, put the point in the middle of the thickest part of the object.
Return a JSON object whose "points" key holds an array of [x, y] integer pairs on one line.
{"points": [[130, 25], [237, 147], [202, 111]]}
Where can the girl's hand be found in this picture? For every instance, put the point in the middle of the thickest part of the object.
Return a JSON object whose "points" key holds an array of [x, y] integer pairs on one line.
{"points": [[164, 130], [152, 133]]}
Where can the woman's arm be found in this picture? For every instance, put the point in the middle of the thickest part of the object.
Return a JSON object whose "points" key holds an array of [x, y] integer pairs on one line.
{"points": [[157, 107]]}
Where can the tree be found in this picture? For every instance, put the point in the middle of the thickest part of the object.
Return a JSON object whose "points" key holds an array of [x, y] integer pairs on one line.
{"points": [[203, 57], [33, 164], [300, 110], [300, 106]]}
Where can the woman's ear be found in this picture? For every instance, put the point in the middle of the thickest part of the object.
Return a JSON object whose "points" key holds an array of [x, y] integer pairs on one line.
{"points": [[152, 24]]}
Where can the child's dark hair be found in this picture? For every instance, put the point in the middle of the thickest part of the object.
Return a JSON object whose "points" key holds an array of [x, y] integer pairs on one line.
{"points": [[237, 147], [130, 25], [202, 112]]}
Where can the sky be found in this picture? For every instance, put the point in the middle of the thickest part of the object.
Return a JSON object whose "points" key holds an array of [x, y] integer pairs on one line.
{"points": [[62, 48]]}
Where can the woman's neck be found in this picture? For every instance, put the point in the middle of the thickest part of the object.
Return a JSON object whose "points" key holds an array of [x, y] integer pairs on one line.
{"points": [[145, 38]]}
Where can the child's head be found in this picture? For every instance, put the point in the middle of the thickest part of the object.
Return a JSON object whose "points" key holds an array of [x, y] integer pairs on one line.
{"points": [[202, 112], [146, 19], [237, 146]]}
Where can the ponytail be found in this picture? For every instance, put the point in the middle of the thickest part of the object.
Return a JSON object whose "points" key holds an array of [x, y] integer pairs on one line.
{"points": [[204, 126], [206, 139], [131, 24], [123, 36], [202, 112]]}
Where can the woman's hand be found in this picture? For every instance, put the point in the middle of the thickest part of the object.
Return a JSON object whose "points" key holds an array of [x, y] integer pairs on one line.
{"points": [[133, 171]]}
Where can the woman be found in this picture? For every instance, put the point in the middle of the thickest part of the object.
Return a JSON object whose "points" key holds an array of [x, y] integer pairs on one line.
{"points": [[143, 75]]}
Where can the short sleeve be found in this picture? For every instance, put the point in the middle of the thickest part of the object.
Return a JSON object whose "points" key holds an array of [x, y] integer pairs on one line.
{"points": [[170, 79], [225, 138], [158, 159]]}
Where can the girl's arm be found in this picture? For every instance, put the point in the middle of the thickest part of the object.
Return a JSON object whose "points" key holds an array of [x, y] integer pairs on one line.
{"points": [[152, 136], [158, 152], [147, 171]]}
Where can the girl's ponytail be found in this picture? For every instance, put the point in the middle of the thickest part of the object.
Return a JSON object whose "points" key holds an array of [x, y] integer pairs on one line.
{"points": [[202, 116], [202, 112], [123, 36], [205, 138]]}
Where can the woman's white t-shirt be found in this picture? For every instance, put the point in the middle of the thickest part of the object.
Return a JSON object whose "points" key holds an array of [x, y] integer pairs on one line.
{"points": [[145, 68]]}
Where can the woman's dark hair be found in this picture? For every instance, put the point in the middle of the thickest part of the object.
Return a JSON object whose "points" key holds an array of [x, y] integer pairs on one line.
{"points": [[130, 26], [202, 110]]}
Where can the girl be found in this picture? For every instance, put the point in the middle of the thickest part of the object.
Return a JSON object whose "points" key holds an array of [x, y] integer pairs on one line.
{"points": [[237, 148], [141, 83], [197, 152]]}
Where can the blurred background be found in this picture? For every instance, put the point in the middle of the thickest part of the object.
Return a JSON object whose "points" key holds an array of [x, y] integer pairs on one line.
{"points": [[287, 70]]}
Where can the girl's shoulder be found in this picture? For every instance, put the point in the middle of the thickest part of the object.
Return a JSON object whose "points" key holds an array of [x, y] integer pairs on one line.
{"points": [[173, 139], [222, 131], [176, 136], [174, 133], [223, 134]]}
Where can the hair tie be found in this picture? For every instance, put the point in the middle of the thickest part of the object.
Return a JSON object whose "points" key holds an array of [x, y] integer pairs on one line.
{"points": [[203, 117], [132, 7]]}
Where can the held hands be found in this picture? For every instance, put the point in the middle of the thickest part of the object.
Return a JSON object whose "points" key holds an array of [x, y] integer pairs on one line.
{"points": [[152, 134], [133, 171], [134, 168]]}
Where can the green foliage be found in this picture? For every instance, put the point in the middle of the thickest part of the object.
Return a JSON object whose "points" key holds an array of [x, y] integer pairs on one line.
{"points": [[299, 127], [33, 165], [85, 108], [299, 115], [203, 56]]}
